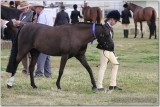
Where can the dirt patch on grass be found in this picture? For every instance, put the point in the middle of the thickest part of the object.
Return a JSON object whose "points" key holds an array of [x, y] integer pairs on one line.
{"points": [[135, 100]]}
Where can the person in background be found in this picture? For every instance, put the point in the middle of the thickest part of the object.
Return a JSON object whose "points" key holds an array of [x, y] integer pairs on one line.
{"points": [[61, 17], [107, 53], [11, 4], [125, 14], [75, 14], [43, 62], [25, 17]]}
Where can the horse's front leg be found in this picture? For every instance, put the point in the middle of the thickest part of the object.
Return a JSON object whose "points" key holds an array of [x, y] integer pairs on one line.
{"points": [[135, 29], [10, 81], [34, 57], [83, 61], [64, 59], [141, 29], [12, 67]]}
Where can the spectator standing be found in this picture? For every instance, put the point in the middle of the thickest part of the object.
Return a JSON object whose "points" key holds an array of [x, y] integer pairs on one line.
{"points": [[75, 14], [107, 53], [43, 62], [125, 14], [61, 17], [11, 4]]}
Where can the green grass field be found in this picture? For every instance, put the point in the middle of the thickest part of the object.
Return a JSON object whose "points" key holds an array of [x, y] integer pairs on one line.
{"points": [[137, 75]]}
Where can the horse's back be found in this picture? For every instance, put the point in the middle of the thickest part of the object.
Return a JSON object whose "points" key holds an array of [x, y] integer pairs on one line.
{"points": [[93, 14], [43, 37], [144, 14], [9, 13]]}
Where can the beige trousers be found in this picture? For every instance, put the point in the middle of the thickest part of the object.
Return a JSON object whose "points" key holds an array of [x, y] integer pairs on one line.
{"points": [[125, 26], [106, 56]]}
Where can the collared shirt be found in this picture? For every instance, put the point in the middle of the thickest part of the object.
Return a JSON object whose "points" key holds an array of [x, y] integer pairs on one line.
{"points": [[26, 17], [111, 29], [45, 18]]}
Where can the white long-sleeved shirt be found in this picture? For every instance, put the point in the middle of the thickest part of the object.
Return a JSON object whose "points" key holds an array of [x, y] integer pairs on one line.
{"points": [[45, 18]]}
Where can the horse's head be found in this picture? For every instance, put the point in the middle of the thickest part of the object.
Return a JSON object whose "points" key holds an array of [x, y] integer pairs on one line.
{"points": [[125, 5], [85, 9], [131, 6]]}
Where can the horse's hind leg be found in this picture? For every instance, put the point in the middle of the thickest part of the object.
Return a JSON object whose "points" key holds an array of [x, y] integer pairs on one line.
{"points": [[155, 32], [149, 29], [83, 61], [141, 29], [64, 59], [34, 57], [135, 29]]}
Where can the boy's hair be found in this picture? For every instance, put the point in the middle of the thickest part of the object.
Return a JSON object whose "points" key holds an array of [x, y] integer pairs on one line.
{"points": [[75, 6]]}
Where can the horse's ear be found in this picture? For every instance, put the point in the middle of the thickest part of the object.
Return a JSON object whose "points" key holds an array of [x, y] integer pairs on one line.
{"points": [[126, 2]]}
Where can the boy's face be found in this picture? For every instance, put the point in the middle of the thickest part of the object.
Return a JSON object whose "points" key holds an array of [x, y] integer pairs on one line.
{"points": [[38, 9], [113, 21]]}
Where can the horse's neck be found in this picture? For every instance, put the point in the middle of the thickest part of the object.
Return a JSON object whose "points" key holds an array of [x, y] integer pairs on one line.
{"points": [[134, 7], [87, 12], [90, 32]]}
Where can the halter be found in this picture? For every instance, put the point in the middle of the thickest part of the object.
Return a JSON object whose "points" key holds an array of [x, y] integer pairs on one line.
{"points": [[93, 31]]}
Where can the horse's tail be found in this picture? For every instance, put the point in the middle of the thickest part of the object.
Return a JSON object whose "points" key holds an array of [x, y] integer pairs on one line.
{"points": [[153, 22], [12, 64], [99, 15]]}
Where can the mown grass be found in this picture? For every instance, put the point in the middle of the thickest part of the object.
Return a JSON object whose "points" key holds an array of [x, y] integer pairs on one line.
{"points": [[137, 75]]}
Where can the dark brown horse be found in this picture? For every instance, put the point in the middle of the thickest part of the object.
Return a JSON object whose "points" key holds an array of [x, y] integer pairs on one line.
{"points": [[92, 14], [66, 41], [143, 14]]}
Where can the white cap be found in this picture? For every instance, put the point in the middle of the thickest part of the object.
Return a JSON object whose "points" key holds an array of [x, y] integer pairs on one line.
{"points": [[38, 4]]}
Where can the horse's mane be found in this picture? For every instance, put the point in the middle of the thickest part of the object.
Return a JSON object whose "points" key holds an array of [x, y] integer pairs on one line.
{"points": [[135, 6]]}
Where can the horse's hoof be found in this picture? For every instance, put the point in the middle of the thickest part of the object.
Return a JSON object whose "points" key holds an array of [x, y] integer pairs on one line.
{"points": [[58, 88], [8, 86], [94, 89], [34, 87]]}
